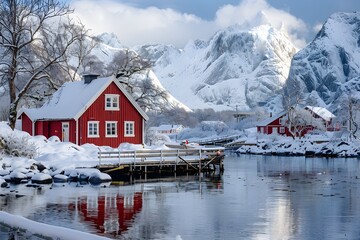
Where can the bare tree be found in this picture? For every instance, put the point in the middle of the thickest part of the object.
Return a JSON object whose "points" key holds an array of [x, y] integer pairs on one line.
{"points": [[348, 113], [125, 63], [34, 35], [92, 64], [79, 55], [297, 119], [133, 72], [300, 120]]}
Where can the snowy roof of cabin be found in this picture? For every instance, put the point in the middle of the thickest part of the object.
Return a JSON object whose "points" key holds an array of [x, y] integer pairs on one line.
{"points": [[169, 126], [271, 119], [322, 112], [72, 99]]}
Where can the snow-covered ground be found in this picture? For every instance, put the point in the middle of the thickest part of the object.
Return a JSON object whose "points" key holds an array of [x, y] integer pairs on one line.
{"points": [[332, 144], [44, 231]]}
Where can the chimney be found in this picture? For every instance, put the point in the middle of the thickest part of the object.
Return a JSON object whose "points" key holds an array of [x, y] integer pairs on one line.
{"points": [[88, 77]]}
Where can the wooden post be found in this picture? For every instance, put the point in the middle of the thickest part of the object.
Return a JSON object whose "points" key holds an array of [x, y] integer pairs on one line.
{"points": [[99, 155], [161, 158], [119, 156]]}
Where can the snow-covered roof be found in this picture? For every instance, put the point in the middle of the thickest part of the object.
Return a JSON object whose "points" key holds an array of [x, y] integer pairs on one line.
{"points": [[322, 112], [73, 98], [168, 127], [271, 119]]}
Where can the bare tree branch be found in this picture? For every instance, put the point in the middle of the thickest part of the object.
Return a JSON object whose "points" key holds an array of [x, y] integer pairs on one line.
{"points": [[34, 36]]}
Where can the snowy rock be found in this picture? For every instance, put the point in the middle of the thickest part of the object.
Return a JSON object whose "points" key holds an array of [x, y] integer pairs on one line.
{"points": [[3, 183], [4, 172], [39, 166], [21, 170], [73, 176], [83, 177], [54, 139], [60, 178], [41, 178], [99, 177], [18, 177], [46, 171], [30, 174]]}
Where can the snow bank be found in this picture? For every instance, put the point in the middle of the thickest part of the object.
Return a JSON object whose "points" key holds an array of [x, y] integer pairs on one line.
{"points": [[303, 147], [44, 230]]}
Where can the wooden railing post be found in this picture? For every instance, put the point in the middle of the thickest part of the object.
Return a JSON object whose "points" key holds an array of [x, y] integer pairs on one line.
{"points": [[161, 157], [99, 156], [119, 155]]}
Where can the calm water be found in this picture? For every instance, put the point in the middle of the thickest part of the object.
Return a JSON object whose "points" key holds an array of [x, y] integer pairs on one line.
{"points": [[257, 197]]}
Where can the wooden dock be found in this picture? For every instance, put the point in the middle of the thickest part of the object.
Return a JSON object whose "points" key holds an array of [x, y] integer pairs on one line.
{"points": [[126, 163]]}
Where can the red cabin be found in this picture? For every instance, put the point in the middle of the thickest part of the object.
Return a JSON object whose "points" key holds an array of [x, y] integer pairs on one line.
{"points": [[319, 117], [95, 110]]}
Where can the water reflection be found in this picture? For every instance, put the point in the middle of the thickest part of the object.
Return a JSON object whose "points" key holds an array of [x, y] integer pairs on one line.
{"points": [[318, 196], [257, 197]]}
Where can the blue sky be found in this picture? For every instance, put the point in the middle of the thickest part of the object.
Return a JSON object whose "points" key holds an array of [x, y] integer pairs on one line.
{"points": [[178, 21], [311, 11]]}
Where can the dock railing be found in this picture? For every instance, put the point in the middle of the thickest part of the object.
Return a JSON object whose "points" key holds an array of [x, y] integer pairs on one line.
{"points": [[160, 155]]}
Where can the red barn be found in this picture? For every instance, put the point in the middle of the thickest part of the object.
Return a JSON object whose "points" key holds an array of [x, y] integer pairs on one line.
{"points": [[95, 110]]}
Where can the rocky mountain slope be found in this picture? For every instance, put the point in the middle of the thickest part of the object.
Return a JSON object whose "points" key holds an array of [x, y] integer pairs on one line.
{"points": [[328, 69], [235, 68]]}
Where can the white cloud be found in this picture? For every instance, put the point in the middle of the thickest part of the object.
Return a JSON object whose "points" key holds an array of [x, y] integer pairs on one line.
{"points": [[317, 27], [136, 26]]}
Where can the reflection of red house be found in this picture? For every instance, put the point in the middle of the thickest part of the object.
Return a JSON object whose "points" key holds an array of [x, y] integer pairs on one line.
{"points": [[111, 215], [95, 110], [278, 124]]}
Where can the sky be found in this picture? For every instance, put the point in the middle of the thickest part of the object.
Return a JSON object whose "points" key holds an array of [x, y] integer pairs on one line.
{"points": [[175, 22]]}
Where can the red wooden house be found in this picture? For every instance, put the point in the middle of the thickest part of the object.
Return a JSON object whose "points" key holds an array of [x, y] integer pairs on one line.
{"points": [[278, 124], [95, 110]]}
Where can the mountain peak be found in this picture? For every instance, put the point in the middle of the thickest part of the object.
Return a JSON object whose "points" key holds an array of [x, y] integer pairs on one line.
{"points": [[234, 67], [110, 39], [330, 62]]}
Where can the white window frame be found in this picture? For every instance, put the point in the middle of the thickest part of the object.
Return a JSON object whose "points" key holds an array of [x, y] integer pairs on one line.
{"points": [[114, 123], [126, 132], [88, 129], [282, 121], [282, 129], [114, 98]]}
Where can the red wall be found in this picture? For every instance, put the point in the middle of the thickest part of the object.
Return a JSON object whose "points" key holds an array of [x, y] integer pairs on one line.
{"points": [[96, 112], [54, 128], [26, 124]]}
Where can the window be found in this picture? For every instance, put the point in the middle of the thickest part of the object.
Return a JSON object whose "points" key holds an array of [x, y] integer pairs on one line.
{"points": [[129, 129], [111, 102], [93, 129], [282, 129], [111, 129], [282, 121]]}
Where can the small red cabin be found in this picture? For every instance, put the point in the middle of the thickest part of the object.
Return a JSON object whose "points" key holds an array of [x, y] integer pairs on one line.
{"points": [[95, 110], [278, 123]]}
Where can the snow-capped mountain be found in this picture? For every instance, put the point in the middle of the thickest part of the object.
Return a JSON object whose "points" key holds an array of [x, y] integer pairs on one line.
{"points": [[329, 66], [234, 68]]}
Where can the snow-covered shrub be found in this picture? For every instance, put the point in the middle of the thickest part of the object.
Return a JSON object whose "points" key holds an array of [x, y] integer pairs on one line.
{"points": [[217, 126], [17, 146], [157, 139]]}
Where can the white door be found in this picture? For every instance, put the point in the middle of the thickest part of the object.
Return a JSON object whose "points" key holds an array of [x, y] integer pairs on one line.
{"points": [[65, 132], [275, 130]]}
